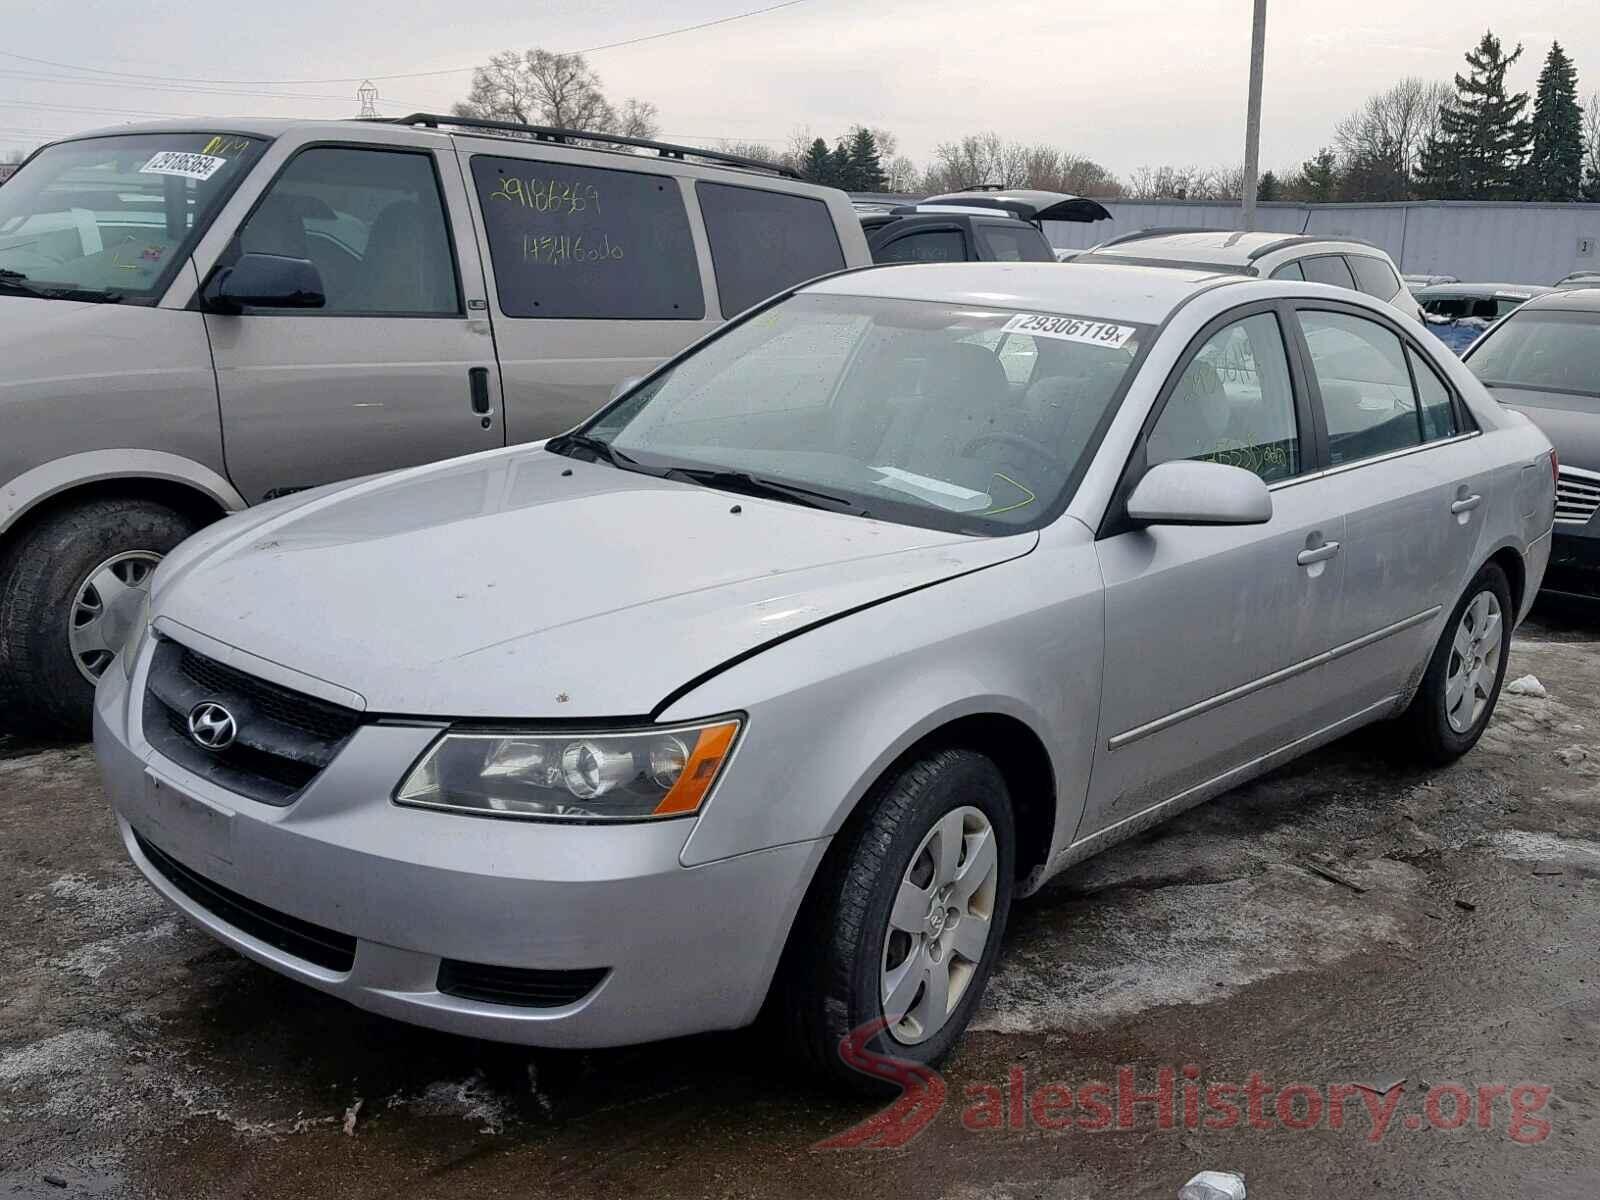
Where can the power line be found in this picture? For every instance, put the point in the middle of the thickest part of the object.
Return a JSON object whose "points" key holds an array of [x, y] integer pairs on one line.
{"points": [[650, 37]]}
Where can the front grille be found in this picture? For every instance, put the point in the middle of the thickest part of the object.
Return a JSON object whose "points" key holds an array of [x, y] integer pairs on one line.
{"points": [[1577, 495], [518, 986], [326, 948], [284, 738]]}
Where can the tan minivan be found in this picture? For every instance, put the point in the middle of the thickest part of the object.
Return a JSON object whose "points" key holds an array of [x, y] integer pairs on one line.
{"points": [[194, 320]]}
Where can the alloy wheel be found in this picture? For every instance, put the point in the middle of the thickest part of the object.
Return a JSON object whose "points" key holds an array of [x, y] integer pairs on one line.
{"points": [[939, 925]]}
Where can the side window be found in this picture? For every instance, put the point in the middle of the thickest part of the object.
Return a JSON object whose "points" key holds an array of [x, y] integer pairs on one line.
{"points": [[583, 242], [1233, 404], [1374, 277], [763, 242], [1366, 389], [933, 245], [1328, 268], [1017, 242], [1289, 270], [372, 221], [1438, 414]]}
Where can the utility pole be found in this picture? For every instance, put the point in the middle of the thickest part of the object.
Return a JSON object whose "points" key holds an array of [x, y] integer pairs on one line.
{"points": [[1252, 120]]}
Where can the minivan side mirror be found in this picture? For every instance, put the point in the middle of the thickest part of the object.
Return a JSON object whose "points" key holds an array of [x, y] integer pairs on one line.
{"points": [[1200, 493], [264, 281], [626, 386]]}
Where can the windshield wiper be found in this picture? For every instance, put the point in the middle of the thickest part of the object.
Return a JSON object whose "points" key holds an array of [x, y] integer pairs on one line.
{"points": [[768, 489], [15, 283], [582, 441]]}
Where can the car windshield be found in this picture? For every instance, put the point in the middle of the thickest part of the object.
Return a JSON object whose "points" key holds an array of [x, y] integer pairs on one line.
{"points": [[1543, 350], [111, 218], [950, 416]]}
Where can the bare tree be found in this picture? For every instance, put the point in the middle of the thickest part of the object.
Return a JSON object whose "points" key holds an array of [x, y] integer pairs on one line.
{"points": [[1380, 143], [538, 87], [900, 174], [1591, 140], [1164, 183]]}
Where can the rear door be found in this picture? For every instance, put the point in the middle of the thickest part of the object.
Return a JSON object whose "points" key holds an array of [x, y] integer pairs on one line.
{"points": [[1411, 476], [1214, 635], [392, 371]]}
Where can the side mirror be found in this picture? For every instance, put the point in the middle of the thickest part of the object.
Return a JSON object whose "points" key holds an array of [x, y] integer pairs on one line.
{"points": [[1200, 493], [264, 281], [626, 386]]}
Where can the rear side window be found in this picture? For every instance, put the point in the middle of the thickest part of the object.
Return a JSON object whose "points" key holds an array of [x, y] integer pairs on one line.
{"points": [[1366, 386], [1438, 415], [763, 242], [1021, 243], [933, 245], [581, 242], [1289, 270], [1327, 268], [1374, 277]]}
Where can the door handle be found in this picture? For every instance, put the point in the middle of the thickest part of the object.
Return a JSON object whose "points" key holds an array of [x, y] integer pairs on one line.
{"points": [[1317, 554], [1466, 504], [478, 388]]}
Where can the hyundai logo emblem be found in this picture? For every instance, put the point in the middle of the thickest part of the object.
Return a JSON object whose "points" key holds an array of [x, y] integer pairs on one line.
{"points": [[212, 727]]}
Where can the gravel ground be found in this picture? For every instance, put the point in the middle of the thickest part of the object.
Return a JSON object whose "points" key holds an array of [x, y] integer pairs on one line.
{"points": [[1343, 921]]}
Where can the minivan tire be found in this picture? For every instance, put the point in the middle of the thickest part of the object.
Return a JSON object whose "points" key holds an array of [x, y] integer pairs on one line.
{"points": [[42, 691], [1427, 734], [829, 984]]}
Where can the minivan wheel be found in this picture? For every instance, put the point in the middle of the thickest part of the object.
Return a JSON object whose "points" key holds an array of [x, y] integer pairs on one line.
{"points": [[905, 921], [1463, 679], [70, 589]]}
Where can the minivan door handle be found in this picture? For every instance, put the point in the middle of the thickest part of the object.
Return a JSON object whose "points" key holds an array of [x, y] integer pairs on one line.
{"points": [[1466, 504], [478, 387], [1317, 554]]}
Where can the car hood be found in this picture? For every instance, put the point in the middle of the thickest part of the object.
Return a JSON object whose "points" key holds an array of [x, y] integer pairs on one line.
{"points": [[524, 584], [1572, 423]]}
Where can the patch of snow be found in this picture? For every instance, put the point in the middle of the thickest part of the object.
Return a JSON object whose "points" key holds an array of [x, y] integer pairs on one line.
{"points": [[1520, 845], [93, 960], [471, 1099], [1527, 685]]}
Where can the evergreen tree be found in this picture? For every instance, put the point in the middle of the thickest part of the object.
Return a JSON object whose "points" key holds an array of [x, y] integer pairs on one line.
{"points": [[1319, 178], [865, 163], [1555, 165], [844, 168], [1267, 189], [818, 165], [1482, 143]]}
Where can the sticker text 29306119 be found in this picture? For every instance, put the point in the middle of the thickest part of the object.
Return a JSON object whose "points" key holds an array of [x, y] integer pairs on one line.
{"points": [[1070, 329]]}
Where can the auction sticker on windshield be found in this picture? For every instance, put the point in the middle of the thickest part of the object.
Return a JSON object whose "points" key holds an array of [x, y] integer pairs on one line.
{"points": [[188, 165], [1069, 329]]}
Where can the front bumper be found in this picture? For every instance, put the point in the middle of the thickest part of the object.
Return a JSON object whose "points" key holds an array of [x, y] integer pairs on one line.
{"points": [[684, 950], [1574, 568]]}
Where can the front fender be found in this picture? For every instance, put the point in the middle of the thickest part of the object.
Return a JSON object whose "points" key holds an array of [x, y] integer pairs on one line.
{"points": [[831, 710]]}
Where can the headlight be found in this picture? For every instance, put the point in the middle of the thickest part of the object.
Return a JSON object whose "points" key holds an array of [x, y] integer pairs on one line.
{"points": [[605, 776], [128, 656]]}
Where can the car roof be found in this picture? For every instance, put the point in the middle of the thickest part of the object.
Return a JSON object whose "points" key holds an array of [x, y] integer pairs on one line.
{"points": [[1143, 295], [1488, 290], [1568, 300], [1219, 247]]}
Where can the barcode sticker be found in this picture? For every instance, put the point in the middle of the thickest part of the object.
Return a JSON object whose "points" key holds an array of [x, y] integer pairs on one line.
{"points": [[1070, 329], [179, 162]]}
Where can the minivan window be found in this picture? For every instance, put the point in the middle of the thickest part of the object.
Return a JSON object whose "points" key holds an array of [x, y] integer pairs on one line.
{"points": [[1327, 268], [1360, 367], [763, 242], [373, 224], [931, 245], [1374, 277], [113, 217], [583, 242], [1007, 243], [1544, 350], [892, 407]]}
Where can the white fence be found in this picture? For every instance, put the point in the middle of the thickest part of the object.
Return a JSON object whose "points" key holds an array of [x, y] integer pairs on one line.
{"points": [[1490, 243]]}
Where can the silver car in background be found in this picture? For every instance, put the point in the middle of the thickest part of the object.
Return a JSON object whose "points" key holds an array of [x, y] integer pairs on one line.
{"points": [[785, 674]]}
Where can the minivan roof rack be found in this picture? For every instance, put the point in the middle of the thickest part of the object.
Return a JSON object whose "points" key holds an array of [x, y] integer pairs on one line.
{"points": [[546, 133]]}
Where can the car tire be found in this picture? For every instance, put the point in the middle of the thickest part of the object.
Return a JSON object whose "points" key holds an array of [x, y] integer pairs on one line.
{"points": [[44, 605], [1462, 682], [844, 947]]}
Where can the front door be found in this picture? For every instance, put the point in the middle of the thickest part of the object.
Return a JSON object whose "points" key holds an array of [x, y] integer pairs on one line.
{"points": [[1213, 634], [392, 371]]}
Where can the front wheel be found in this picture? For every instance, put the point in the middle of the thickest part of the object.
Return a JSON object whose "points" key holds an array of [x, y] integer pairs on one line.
{"points": [[904, 924], [1463, 678]]}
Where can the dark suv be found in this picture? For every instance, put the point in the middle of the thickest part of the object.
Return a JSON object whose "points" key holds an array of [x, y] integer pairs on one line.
{"points": [[976, 226]]}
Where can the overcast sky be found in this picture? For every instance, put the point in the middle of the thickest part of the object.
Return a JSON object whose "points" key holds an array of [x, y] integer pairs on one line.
{"points": [[1129, 83]]}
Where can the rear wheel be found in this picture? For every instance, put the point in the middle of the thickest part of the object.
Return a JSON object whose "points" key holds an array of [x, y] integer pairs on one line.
{"points": [[1463, 679], [70, 590], [904, 924]]}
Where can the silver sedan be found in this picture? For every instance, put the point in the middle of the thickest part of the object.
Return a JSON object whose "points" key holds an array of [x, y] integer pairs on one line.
{"points": [[784, 675]]}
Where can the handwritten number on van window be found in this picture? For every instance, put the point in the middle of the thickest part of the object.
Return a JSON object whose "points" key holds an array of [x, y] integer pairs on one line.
{"points": [[552, 251], [548, 195]]}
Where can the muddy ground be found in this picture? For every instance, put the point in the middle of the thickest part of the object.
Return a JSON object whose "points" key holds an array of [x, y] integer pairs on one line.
{"points": [[1345, 920]]}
